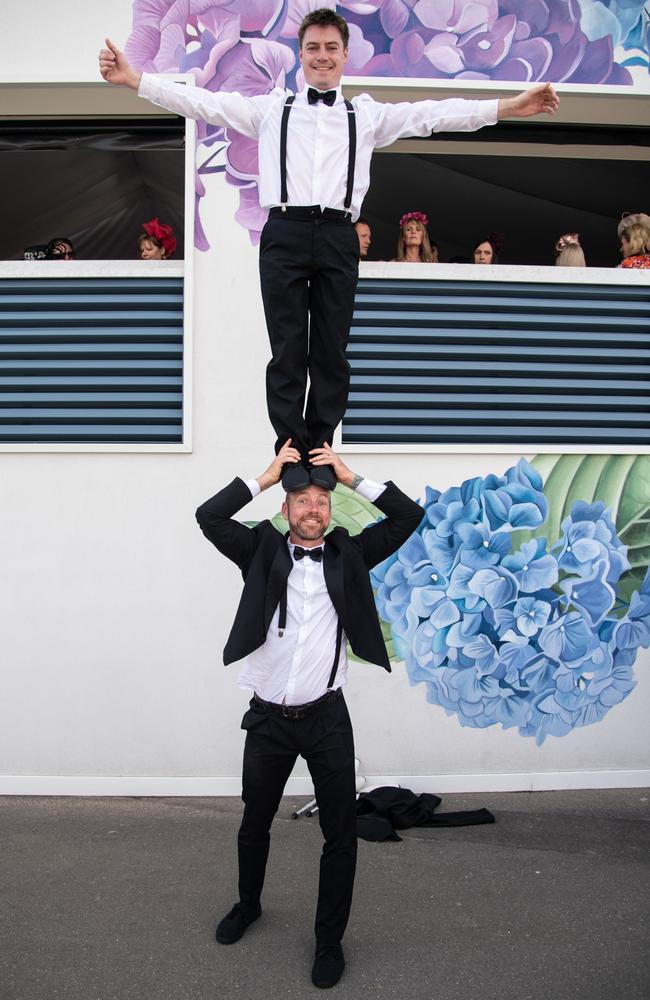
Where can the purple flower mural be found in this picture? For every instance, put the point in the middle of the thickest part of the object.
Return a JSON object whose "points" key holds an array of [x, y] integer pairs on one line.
{"points": [[250, 46]]}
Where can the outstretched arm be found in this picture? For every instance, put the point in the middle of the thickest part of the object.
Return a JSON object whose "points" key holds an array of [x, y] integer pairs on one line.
{"points": [[115, 67], [455, 114], [538, 100], [226, 109]]}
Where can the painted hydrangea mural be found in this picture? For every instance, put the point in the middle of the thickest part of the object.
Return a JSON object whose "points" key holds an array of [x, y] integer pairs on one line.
{"points": [[250, 46], [518, 602]]}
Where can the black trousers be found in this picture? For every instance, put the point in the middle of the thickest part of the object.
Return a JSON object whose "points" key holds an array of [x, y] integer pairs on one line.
{"points": [[273, 743], [308, 271]]}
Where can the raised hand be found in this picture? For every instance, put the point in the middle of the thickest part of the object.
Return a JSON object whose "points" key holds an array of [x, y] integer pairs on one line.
{"points": [[272, 475], [325, 456], [541, 99], [115, 67]]}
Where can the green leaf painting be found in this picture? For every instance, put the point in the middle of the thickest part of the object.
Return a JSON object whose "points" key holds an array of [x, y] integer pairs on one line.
{"points": [[621, 482]]}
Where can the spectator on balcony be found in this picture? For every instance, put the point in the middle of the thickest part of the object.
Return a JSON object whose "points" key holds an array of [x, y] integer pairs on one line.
{"points": [[157, 242], [487, 250], [414, 244], [365, 237], [569, 252], [60, 248], [634, 234]]}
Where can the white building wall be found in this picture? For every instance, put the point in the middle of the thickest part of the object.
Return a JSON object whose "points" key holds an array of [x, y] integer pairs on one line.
{"points": [[114, 609]]}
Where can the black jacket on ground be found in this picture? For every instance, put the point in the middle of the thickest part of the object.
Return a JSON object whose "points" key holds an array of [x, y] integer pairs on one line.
{"points": [[264, 559]]}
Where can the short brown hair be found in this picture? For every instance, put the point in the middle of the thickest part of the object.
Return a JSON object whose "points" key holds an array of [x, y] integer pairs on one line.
{"points": [[323, 18]]}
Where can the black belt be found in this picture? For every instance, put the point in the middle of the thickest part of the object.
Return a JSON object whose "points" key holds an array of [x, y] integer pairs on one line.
{"points": [[307, 213], [296, 711]]}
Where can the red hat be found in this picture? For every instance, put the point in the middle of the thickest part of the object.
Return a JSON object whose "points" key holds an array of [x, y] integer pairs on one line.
{"points": [[164, 234]]}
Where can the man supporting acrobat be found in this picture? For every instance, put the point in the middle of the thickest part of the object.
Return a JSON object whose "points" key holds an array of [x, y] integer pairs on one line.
{"points": [[304, 595]]}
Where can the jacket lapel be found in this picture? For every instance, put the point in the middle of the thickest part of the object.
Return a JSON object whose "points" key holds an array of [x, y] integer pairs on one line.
{"points": [[277, 580], [333, 573]]}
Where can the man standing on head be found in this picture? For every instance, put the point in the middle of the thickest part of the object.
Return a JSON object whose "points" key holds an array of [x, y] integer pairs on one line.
{"points": [[314, 159], [304, 595], [364, 235]]}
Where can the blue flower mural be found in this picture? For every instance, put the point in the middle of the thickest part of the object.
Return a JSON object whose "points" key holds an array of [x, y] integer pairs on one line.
{"points": [[504, 628], [251, 47]]}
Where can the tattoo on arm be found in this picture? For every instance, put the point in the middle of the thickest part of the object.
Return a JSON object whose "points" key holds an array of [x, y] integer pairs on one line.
{"points": [[356, 481]]}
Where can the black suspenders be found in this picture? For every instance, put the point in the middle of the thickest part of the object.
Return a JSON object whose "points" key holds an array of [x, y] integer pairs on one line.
{"points": [[352, 151], [284, 197], [282, 624], [352, 155]]}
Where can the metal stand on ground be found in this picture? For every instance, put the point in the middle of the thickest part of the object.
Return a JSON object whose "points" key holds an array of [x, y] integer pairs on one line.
{"points": [[310, 807]]}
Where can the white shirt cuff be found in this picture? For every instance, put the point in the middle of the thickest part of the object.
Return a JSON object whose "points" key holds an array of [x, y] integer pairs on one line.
{"points": [[147, 87], [370, 490], [253, 486], [491, 111]]}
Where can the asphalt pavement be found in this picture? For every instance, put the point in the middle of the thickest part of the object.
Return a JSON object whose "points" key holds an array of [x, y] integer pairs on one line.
{"points": [[117, 899]]}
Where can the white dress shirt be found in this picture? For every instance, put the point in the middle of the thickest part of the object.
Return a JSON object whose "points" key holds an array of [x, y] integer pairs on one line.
{"points": [[317, 139], [294, 668]]}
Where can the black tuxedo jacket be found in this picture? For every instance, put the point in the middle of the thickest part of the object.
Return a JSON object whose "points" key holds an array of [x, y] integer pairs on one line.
{"points": [[264, 559]]}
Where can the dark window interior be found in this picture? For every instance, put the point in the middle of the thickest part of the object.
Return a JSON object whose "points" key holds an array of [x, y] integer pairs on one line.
{"points": [[95, 182], [531, 200]]}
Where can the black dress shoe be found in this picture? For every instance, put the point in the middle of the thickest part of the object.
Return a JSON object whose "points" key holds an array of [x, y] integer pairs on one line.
{"points": [[294, 477], [328, 966], [234, 925], [323, 475]]}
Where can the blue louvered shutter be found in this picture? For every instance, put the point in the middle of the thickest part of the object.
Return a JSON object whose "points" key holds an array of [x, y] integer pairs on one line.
{"points": [[91, 360], [468, 362]]}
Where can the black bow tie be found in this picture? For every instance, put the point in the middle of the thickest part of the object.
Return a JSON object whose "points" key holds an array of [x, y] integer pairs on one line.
{"points": [[300, 553], [326, 96]]}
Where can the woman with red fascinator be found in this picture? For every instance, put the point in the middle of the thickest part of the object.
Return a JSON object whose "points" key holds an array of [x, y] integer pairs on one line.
{"points": [[157, 242]]}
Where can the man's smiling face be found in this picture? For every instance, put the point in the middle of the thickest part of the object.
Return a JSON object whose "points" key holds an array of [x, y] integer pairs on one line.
{"points": [[309, 513], [323, 57]]}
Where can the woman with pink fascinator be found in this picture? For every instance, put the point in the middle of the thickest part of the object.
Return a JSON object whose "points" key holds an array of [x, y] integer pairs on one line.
{"points": [[414, 244], [569, 252]]}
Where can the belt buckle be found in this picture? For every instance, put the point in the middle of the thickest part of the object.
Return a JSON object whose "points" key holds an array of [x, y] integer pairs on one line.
{"points": [[289, 712]]}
